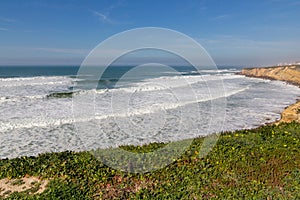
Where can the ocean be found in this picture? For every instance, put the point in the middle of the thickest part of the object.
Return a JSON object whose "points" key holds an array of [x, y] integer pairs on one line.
{"points": [[37, 107]]}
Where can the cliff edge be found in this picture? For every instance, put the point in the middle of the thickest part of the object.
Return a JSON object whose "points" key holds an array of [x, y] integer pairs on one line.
{"points": [[289, 74]]}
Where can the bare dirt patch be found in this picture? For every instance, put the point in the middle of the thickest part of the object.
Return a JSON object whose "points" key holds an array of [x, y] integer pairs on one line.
{"points": [[32, 185]]}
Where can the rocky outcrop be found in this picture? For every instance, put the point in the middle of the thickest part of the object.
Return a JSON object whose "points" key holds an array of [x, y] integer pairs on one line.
{"points": [[289, 74], [291, 113]]}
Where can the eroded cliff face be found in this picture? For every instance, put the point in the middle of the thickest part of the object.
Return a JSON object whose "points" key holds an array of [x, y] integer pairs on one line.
{"points": [[291, 113], [290, 74]]}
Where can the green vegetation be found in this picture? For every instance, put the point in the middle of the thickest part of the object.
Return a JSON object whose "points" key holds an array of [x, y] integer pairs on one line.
{"points": [[262, 163], [18, 182]]}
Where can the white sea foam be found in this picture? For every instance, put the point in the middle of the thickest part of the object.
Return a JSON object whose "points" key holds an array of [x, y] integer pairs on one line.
{"points": [[41, 80], [163, 83], [31, 88], [41, 121], [150, 109]]}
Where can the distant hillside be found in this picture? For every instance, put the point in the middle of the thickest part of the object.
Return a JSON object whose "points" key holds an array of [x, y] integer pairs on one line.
{"points": [[290, 74]]}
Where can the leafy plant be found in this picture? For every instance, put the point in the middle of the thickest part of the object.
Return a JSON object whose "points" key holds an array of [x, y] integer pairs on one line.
{"points": [[262, 163]]}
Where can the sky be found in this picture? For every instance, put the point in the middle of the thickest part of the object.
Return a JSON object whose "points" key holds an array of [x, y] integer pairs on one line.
{"points": [[234, 32]]}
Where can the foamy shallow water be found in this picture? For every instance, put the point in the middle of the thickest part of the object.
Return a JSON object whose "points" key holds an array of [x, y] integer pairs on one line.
{"points": [[151, 110]]}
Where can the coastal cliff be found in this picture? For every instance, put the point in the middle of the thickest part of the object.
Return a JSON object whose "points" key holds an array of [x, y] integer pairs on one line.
{"points": [[289, 74]]}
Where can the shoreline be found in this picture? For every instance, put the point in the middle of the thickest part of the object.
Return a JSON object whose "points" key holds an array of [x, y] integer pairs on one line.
{"points": [[260, 163], [287, 74]]}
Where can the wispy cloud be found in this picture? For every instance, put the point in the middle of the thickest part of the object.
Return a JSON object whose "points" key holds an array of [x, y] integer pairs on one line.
{"points": [[4, 29], [236, 42], [7, 20], [295, 3], [286, 2], [238, 50], [103, 17], [66, 51], [220, 17], [105, 14]]}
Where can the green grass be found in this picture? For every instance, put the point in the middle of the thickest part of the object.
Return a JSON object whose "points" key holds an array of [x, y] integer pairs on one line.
{"points": [[262, 163]]}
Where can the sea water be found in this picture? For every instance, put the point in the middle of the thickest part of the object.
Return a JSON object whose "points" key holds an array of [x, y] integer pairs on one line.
{"points": [[37, 108]]}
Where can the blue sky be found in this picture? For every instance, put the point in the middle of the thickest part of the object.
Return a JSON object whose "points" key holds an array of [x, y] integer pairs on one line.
{"points": [[234, 32]]}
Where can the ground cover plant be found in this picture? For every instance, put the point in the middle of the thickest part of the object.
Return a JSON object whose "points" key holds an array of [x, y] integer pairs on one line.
{"points": [[262, 163]]}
